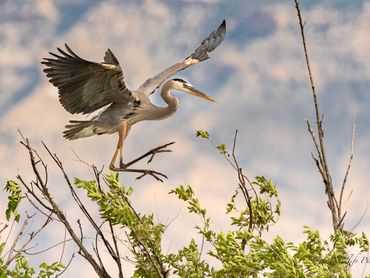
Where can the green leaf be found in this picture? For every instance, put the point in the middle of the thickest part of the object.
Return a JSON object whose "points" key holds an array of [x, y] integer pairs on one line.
{"points": [[266, 186], [222, 149], [14, 198], [202, 134]]}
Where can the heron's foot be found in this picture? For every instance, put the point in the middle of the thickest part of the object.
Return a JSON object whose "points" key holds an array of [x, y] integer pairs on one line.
{"points": [[160, 149], [144, 172], [123, 168], [158, 176]]}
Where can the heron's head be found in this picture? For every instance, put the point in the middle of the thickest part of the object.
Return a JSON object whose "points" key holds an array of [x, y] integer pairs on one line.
{"points": [[186, 87]]}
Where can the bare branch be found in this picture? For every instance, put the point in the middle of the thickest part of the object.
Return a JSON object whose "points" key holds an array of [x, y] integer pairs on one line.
{"points": [[35, 233], [319, 162], [78, 200], [3, 228], [361, 218], [66, 267], [96, 249], [10, 253], [348, 168], [116, 256], [242, 186], [319, 145], [64, 245], [48, 249], [49, 203]]}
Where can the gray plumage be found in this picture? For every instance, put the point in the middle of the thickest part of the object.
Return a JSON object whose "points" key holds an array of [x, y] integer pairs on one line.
{"points": [[85, 87]]}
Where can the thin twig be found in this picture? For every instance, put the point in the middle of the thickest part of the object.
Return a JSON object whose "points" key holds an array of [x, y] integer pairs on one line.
{"points": [[3, 228], [15, 241], [96, 249], [319, 162], [48, 249], [117, 256], [361, 218], [63, 246], [34, 234], [201, 248], [348, 168], [66, 267], [243, 187]]}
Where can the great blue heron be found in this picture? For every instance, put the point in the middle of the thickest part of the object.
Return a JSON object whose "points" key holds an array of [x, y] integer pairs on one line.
{"points": [[85, 87]]}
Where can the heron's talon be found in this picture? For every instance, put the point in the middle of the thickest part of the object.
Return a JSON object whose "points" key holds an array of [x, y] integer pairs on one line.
{"points": [[152, 173]]}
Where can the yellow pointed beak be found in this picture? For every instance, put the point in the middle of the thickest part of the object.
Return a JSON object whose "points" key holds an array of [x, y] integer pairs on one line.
{"points": [[192, 91]]}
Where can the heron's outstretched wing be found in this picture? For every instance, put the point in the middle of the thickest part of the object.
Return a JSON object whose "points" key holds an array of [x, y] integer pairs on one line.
{"points": [[86, 86], [200, 54]]}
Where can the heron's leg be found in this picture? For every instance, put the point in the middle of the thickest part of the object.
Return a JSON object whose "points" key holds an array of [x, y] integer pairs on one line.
{"points": [[111, 165], [122, 133]]}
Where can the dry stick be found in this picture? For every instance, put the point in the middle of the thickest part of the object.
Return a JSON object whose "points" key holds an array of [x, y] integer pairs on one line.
{"points": [[201, 249], [19, 236], [332, 202], [63, 246], [34, 195], [160, 269], [92, 166], [115, 255], [78, 200], [96, 249], [20, 233], [66, 266], [232, 164], [101, 272], [361, 218], [57, 211], [347, 171], [34, 234], [3, 228], [47, 249], [318, 162], [9, 232], [117, 258], [242, 187], [241, 177], [39, 209], [144, 249]]}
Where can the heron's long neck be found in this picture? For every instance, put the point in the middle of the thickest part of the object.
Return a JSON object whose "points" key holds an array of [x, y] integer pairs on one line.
{"points": [[172, 101]]}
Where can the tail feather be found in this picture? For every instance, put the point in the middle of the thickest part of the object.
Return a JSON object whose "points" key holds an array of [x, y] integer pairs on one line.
{"points": [[79, 129]]}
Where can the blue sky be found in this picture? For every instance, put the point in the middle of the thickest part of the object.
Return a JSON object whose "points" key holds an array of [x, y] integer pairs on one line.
{"points": [[257, 75]]}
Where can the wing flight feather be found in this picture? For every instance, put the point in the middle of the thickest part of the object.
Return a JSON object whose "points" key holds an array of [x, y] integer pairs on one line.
{"points": [[200, 54], [86, 86]]}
